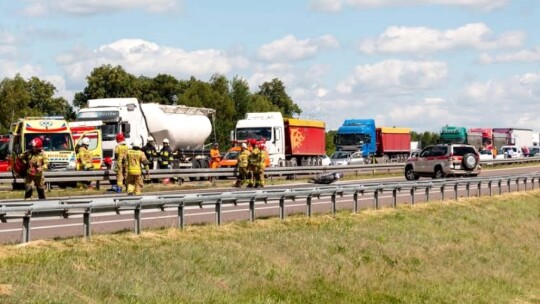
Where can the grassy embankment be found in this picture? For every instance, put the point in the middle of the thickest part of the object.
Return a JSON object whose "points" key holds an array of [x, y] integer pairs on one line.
{"points": [[472, 251]]}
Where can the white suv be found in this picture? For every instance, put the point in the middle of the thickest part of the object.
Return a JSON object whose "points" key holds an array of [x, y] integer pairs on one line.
{"points": [[439, 161]]}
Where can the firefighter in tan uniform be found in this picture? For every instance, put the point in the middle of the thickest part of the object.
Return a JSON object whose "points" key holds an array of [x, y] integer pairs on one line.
{"points": [[120, 152], [135, 160], [242, 166], [253, 162], [84, 156], [36, 162], [259, 173], [84, 159]]}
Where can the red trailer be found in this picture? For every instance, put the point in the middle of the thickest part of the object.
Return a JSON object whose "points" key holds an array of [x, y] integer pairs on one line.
{"points": [[393, 143], [4, 157], [305, 137]]}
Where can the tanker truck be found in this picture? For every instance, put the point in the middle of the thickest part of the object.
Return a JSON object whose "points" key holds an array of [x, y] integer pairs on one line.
{"points": [[187, 128]]}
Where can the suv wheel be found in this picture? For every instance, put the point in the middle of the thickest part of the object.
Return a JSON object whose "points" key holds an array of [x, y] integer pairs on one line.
{"points": [[469, 161], [409, 174], [438, 173]]}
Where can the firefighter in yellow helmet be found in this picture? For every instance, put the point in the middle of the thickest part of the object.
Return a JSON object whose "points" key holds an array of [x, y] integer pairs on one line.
{"points": [[259, 173], [120, 152], [242, 166], [135, 159], [253, 162]]}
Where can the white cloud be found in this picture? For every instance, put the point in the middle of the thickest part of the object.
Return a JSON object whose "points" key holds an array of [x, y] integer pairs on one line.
{"points": [[336, 5], [93, 7], [141, 57], [394, 77], [289, 48], [423, 40], [532, 55]]}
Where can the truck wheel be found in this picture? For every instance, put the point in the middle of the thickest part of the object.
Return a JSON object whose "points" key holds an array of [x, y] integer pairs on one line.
{"points": [[409, 174], [194, 165]]}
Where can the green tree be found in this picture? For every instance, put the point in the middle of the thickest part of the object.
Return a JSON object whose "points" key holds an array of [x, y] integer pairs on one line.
{"points": [[241, 97], [107, 81], [275, 92], [330, 145]]}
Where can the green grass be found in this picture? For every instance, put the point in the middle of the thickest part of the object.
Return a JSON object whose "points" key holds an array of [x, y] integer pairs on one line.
{"points": [[472, 251]]}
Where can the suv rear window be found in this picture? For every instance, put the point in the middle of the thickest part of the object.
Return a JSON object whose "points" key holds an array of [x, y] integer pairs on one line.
{"points": [[439, 151], [462, 150]]}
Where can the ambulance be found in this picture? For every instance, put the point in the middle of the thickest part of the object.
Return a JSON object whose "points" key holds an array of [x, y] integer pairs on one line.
{"points": [[55, 134]]}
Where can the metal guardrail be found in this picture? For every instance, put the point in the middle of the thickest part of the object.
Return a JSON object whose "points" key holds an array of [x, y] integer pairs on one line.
{"points": [[86, 207], [186, 174]]}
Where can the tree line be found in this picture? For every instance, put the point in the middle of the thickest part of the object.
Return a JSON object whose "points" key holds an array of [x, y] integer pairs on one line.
{"points": [[231, 99]]}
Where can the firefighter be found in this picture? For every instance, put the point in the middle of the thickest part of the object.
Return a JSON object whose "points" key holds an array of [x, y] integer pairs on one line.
{"points": [[165, 156], [84, 159], [253, 162], [150, 151], [36, 162], [259, 173], [242, 166], [135, 159], [215, 156], [120, 152]]}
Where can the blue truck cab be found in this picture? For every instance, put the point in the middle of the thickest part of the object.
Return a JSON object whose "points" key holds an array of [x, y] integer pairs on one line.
{"points": [[357, 135]]}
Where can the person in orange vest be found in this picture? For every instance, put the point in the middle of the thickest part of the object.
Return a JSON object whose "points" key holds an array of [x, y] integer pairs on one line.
{"points": [[120, 152], [215, 156]]}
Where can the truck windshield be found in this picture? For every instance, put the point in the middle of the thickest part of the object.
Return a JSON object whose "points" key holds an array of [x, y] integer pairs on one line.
{"points": [[256, 133], [352, 139], [109, 131], [51, 141]]}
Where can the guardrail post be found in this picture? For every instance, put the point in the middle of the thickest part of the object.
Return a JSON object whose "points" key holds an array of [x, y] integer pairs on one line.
{"points": [[251, 210], [87, 222], [517, 184], [442, 191], [499, 183], [479, 189], [181, 215], [26, 228], [355, 202], [456, 191], [468, 188], [282, 208], [428, 188], [376, 198], [308, 206], [489, 188], [98, 184], [218, 213], [394, 197], [532, 182], [509, 185], [334, 204], [137, 215], [413, 190]]}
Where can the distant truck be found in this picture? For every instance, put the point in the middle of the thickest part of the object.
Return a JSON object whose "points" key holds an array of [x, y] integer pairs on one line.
{"points": [[477, 137], [521, 138], [385, 143], [288, 141], [186, 128]]}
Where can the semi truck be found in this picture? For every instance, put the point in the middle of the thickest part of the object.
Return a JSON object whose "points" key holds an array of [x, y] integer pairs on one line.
{"points": [[384, 143], [186, 128], [521, 138], [477, 137], [288, 141]]}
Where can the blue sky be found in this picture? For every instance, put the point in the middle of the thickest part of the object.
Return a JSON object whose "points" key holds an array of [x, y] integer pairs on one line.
{"points": [[411, 63]]}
